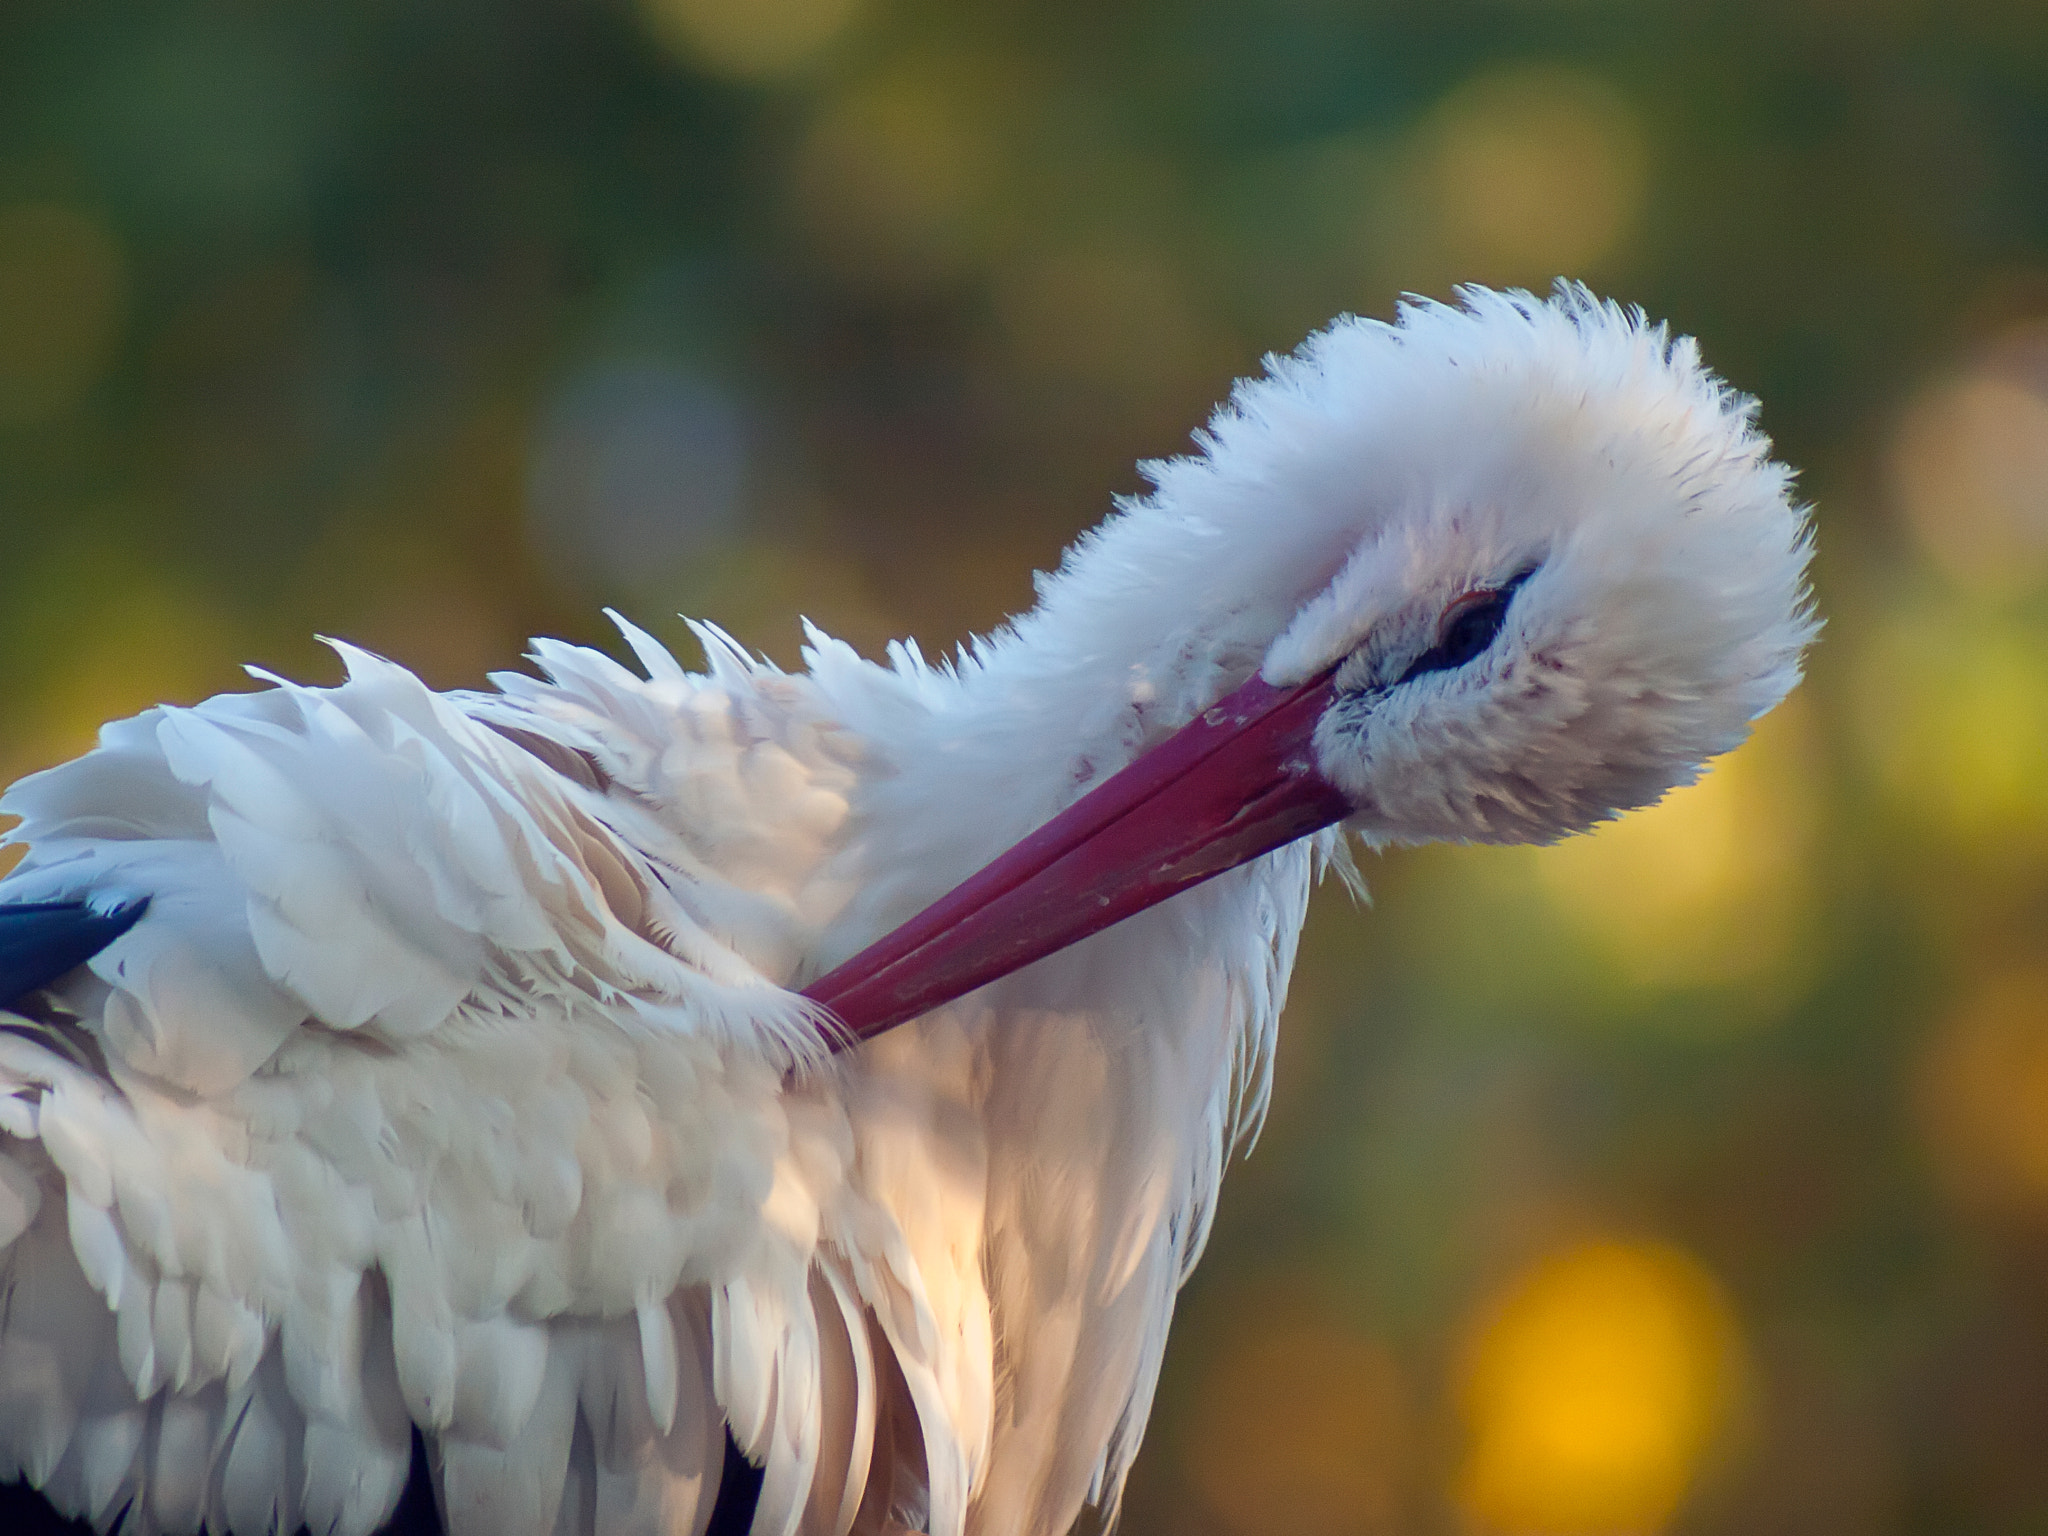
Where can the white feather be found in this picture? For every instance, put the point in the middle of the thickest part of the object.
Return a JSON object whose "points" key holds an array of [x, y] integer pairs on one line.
{"points": [[56, 1331], [260, 1471], [21, 1200], [185, 1430], [515, 1489], [658, 1363], [847, 1395]]}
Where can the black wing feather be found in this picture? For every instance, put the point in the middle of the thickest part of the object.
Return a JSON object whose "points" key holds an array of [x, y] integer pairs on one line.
{"points": [[40, 941]]}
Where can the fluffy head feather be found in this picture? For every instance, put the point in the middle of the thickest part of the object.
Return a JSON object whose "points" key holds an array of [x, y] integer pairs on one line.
{"points": [[1571, 571]]}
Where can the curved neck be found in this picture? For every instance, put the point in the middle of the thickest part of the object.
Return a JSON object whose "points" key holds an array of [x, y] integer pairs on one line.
{"points": [[1139, 631]]}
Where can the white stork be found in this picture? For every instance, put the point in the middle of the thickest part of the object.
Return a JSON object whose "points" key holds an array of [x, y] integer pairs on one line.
{"points": [[484, 1063]]}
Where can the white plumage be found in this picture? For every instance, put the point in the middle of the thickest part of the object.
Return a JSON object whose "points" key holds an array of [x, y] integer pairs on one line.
{"points": [[456, 1074]]}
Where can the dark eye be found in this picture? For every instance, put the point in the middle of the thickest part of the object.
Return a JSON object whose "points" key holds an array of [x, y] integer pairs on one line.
{"points": [[1470, 624]]}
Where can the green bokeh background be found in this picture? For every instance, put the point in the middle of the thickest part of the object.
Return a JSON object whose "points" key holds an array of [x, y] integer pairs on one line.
{"points": [[436, 325]]}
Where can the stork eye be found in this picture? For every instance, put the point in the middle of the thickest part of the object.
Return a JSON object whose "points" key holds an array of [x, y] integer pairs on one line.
{"points": [[1470, 624]]}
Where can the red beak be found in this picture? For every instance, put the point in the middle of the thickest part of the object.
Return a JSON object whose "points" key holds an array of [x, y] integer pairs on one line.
{"points": [[1237, 781]]}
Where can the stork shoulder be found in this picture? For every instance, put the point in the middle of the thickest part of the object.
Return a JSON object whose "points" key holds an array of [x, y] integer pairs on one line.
{"points": [[378, 857]]}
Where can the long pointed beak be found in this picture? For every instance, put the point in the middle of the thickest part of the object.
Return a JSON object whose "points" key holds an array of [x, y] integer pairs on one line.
{"points": [[1237, 781]]}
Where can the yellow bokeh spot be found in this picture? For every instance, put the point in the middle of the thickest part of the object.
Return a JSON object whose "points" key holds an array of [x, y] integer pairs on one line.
{"points": [[1533, 171], [1983, 1093], [1969, 467], [1594, 1385], [1301, 1429], [888, 185], [749, 39], [62, 296], [1953, 709], [1710, 886]]}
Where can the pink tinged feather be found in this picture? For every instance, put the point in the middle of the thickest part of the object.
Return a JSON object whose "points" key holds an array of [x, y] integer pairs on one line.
{"points": [[500, 1367], [913, 1350], [655, 659], [227, 1337], [18, 1114], [21, 1199], [133, 1316], [423, 1342], [321, 1340], [516, 1489], [99, 1466], [97, 1243], [793, 1426], [171, 1324], [185, 1010], [55, 1330], [649, 1483], [356, 1468], [658, 1362], [72, 1149], [117, 791], [260, 1476], [185, 1430], [846, 1392], [310, 910]]}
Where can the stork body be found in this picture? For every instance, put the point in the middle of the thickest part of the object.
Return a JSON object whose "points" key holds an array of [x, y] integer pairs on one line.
{"points": [[458, 1071]]}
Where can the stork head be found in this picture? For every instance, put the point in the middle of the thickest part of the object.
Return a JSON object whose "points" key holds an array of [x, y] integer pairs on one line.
{"points": [[1590, 580], [1515, 567]]}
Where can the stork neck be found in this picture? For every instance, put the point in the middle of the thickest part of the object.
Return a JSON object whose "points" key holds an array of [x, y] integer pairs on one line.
{"points": [[1045, 712], [1117, 656], [1149, 621]]}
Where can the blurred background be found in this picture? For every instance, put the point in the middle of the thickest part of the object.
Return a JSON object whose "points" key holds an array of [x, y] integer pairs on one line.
{"points": [[1692, 1177]]}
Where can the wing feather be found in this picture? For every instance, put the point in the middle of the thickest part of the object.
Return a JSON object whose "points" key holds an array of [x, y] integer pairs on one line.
{"points": [[55, 1331], [446, 1082], [358, 1442], [648, 1482], [261, 1475], [515, 1488], [846, 1398], [181, 1459]]}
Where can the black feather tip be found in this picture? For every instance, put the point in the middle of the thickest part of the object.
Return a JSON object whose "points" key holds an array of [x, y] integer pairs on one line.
{"points": [[40, 941]]}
